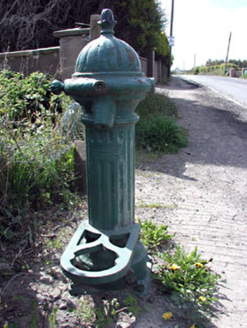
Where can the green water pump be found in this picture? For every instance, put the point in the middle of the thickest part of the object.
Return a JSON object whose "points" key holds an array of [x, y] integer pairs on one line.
{"points": [[105, 252]]}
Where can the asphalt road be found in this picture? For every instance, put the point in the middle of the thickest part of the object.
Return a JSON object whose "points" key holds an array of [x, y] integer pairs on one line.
{"points": [[232, 88]]}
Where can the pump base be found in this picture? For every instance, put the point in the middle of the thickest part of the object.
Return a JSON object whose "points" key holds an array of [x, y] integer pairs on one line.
{"points": [[107, 260]]}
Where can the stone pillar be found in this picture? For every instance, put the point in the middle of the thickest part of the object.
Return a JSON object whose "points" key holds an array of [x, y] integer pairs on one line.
{"points": [[94, 27], [71, 42]]}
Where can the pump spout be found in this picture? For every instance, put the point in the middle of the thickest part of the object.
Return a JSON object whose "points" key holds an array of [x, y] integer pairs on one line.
{"points": [[104, 109]]}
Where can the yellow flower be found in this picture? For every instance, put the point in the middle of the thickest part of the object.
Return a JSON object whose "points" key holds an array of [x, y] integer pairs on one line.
{"points": [[167, 315], [193, 326], [175, 267], [199, 265], [202, 298]]}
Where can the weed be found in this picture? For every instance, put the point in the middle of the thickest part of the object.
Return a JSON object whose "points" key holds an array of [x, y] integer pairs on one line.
{"points": [[56, 242], [85, 311], [52, 317], [105, 313], [187, 278], [103, 318], [132, 305], [152, 235], [34, 321]]}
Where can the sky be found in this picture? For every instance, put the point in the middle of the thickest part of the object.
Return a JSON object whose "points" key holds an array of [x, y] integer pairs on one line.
{"points": [[201, 29]]}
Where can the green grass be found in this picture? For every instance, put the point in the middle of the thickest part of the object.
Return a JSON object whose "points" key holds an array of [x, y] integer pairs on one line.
{"points": [[157, 104], [152, 235], [36, 159], [155, 205], [157, 130]]}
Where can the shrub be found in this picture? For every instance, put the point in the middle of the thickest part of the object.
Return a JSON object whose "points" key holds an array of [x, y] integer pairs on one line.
{"points": [[157, 129], [27, 97], [36, 160], [160, 135]]}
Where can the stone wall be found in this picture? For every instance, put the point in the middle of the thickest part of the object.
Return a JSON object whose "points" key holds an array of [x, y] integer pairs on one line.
{"points": [[60, 61], [45, 60]]}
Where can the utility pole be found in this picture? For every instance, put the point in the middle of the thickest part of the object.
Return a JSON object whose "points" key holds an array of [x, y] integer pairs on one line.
{"points": [[229, 41], [171, 27]]}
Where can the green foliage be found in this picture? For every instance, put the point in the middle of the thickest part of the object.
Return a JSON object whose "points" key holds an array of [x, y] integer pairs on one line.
{"points": [[214, 69], [52, 317], [162, 45], [187, 278], [152, 235], [238, 64], [85, 312], [146, 21], [57, 242], [160, 135], [156, 104], [157, 130], [104, 315], [132, 304], [27, 97], [36, 164], [36, 169]]}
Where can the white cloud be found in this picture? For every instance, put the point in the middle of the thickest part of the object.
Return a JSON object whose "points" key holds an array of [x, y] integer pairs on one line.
{"points": [[202, 29]]}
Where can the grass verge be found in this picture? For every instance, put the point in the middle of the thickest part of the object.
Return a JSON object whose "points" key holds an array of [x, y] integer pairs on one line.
{"points": [[157, 130]]}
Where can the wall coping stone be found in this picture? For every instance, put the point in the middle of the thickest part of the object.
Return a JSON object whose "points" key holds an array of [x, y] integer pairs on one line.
{"points": [[31, 52], [71, 32]]}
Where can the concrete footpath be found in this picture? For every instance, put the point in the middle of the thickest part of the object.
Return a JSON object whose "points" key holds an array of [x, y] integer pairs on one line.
{"points": [[203, 190]]}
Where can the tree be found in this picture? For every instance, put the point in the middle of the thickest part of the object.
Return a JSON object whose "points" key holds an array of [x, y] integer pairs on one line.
{"points": [[28, 24]]}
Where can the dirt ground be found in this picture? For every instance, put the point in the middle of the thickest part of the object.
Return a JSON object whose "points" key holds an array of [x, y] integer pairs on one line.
{"points": [[202, 197]]}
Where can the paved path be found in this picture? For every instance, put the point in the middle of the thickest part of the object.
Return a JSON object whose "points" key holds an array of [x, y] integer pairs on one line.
{"points": [[204, 188]]}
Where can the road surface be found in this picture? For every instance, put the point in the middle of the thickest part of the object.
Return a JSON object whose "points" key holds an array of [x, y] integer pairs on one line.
{"points": [[232, 88]]}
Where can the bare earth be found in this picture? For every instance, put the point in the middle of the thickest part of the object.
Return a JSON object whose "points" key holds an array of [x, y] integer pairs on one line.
{"points": [[202, 198]]}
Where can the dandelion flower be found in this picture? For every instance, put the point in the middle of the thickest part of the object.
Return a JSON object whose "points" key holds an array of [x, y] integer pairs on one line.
{"points": [[202, 298], [175, 267], [199, 265], [167, 315], [193, 326]]}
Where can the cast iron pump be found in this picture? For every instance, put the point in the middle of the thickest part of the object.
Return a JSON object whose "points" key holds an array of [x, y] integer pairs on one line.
{"points": [[105, 251]]}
